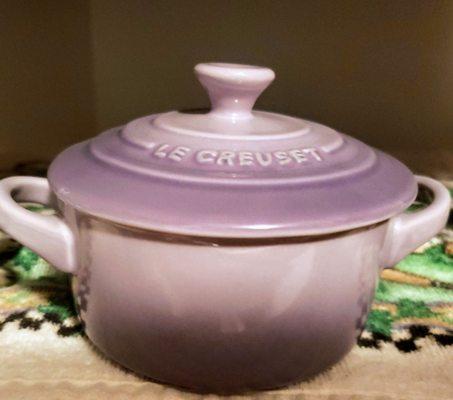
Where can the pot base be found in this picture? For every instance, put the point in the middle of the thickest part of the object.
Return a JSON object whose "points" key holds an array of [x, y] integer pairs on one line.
{"points": [[233, 380]]}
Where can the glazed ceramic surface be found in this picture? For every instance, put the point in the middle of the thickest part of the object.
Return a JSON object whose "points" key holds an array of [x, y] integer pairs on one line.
{"points": [[224, 315], [227, 250], [232, 171]]}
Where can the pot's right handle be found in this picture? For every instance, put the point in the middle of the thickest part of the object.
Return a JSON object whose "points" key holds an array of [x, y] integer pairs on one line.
{"points": [[407, 231], [47, 235]]}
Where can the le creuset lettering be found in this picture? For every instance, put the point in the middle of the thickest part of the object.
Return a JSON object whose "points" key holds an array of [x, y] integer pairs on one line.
{"points": [[235, 158]]}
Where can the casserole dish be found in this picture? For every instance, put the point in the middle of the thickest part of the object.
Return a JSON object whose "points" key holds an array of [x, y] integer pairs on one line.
{"points": [[223, 250]]}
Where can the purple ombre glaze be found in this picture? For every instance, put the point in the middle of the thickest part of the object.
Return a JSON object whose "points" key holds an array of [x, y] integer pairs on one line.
{"points": [[224, 318]]}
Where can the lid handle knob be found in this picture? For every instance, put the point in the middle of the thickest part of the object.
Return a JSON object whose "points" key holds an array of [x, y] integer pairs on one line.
{"points": [[233, 88]]}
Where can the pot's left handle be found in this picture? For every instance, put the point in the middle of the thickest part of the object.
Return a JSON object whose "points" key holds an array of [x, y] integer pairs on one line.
{"points": [[47, 235]]}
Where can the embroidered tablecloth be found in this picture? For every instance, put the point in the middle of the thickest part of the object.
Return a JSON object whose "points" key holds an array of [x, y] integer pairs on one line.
{"points": [[405, 351]]}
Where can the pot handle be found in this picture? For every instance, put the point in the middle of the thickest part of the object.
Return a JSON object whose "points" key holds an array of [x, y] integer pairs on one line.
{"points": [[407, 231], [47, 235]]}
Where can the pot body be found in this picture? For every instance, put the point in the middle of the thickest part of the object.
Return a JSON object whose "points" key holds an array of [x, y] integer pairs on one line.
{"points": [[223, 316]]}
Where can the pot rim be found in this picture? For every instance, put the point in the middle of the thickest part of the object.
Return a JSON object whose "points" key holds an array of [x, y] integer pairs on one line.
{"points": [[223, 241]]}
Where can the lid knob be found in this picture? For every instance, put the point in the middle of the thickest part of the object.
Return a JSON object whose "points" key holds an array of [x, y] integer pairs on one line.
{"points": [[233, 88]]}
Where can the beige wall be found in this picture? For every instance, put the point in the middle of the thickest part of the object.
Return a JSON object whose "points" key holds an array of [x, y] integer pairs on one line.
{"points": [[46, 94], [379, 70]]}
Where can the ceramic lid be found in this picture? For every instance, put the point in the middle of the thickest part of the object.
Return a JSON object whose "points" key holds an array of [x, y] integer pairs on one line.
{"points": [[231, 171]]}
